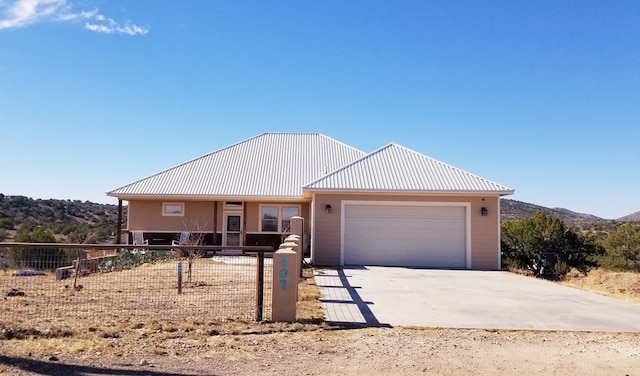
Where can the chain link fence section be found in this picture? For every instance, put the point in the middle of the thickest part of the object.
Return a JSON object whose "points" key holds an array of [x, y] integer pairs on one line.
{"points": [[132, 285]]}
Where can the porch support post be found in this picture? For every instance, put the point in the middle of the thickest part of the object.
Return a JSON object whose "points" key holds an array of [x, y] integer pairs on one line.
{"points": [[244, 224], [119, 230], [215, 222]]}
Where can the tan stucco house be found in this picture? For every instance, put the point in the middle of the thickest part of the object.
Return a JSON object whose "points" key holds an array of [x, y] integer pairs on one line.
{"points": [[393, 206]]}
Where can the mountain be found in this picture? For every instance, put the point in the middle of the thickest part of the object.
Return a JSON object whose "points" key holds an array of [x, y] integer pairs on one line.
{"points": [[633, 217], [21, 208], [74, 221], [514, 209]]}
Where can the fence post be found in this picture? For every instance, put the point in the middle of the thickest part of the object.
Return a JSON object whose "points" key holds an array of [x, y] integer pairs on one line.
{"points": [[180, 277], [260, 287], [75, 279], [297, 228], [285, 285]]}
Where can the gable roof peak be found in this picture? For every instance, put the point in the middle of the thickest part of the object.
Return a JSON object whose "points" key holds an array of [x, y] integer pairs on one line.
{"points": [[396, 168]]}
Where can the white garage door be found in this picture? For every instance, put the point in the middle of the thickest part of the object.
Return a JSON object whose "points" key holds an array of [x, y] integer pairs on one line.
{"points": [[419, 236]]}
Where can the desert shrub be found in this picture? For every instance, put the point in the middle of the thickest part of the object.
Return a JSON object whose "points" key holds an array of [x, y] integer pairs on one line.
{"points": [[37, 258], [7, 223], [622, 248], [544, 246], [126, 259]]}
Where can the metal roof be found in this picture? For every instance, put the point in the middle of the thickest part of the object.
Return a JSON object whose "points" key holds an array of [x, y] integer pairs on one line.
{"points": [[274, 165], [395, 168]]}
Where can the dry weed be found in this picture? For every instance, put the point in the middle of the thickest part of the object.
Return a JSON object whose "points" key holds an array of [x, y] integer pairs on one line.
{"points": [[621, 285], [309, 308]]}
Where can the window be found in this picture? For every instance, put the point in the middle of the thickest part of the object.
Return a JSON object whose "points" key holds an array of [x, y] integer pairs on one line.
{"points": [[233, 204], [175, 209], [277, 218], [270, 219], [287, 213]]}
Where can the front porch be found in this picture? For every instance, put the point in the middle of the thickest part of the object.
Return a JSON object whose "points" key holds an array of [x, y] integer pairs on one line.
{"points": [[216, 223]]}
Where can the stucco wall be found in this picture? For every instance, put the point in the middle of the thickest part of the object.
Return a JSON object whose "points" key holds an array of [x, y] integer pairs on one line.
{"points": [[146, 215], [485, 253]]}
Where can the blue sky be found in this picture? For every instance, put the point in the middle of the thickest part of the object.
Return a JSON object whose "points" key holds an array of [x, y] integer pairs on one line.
{"points": [[541, 96]]}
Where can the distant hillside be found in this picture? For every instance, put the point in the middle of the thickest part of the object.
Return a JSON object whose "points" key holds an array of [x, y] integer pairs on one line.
{"points": [[21, 208], [633, 217], [75, 221], [513, 209]]}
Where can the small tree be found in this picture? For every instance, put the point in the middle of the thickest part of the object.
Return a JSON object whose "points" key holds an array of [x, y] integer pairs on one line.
{"points": [[39, 257], [543, 245], [196, 237], [623, 248], [192, 254]]}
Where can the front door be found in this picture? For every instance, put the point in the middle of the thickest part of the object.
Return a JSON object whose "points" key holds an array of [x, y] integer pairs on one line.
{"points": [[232, 234]]}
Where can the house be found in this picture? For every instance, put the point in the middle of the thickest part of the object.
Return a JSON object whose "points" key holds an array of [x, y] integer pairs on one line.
{"points": [[393, 206]]}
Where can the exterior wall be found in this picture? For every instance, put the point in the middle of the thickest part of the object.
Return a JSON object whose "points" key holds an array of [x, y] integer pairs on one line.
{"points": [[485, 246], [146, 215]]}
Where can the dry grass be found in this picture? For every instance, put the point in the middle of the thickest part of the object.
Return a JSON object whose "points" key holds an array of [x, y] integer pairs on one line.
{"points": [[309, 308], [133, 297], [621, 285], [99, 327]]}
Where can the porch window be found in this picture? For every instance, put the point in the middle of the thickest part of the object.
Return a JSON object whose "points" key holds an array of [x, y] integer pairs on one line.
{"points": [[175, 209], [277, 218]]}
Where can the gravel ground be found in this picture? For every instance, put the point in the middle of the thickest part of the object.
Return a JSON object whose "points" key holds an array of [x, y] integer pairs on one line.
{"points": [[320, 350]]}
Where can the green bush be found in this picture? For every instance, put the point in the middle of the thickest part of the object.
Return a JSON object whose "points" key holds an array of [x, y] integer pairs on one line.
{"points": [[543, 245], [623, 248], [36, 258]]}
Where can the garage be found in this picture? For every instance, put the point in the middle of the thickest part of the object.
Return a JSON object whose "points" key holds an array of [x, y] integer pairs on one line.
{"points": [[405, 234]]}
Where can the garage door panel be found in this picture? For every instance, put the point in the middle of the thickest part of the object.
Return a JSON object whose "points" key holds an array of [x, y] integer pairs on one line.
{"points": [[428, 236]]}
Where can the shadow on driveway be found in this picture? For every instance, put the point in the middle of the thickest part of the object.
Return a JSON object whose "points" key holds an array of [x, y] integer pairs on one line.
{"points": [[342, 303]]}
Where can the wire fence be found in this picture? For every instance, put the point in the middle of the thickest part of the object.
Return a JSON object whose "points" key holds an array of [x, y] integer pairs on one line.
{"points": [[84, 283]]}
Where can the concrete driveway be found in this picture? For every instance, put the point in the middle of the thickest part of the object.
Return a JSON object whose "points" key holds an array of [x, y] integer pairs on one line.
{"points": [[386, 296]]}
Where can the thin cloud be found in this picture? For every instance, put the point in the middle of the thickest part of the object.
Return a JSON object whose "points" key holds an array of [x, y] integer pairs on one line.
{"points": [[107, 25], [16, 14]]}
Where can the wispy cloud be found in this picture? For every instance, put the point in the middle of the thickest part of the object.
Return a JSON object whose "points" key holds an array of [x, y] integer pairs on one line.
{"points": [[107, 25], [21, 13]]}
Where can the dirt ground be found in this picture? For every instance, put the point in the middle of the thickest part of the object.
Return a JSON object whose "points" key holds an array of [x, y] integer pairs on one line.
{"points": [[136, 344], [299, 349], [125, 297]]}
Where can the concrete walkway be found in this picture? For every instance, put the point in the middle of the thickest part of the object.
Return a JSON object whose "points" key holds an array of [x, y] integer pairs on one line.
{"points": [[386, 296]]}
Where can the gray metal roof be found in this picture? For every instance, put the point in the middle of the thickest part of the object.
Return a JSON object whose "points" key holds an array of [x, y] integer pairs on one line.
{"points": [[395, 168], [268, 165]]}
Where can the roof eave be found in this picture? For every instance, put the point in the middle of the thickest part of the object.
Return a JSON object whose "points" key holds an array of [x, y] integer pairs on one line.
{"points": [[415, 192], [175, 197]]}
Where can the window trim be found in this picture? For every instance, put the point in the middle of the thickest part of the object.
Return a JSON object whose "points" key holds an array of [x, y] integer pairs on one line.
{"points": [[167, 205], [280, 207], [234, 207]]}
